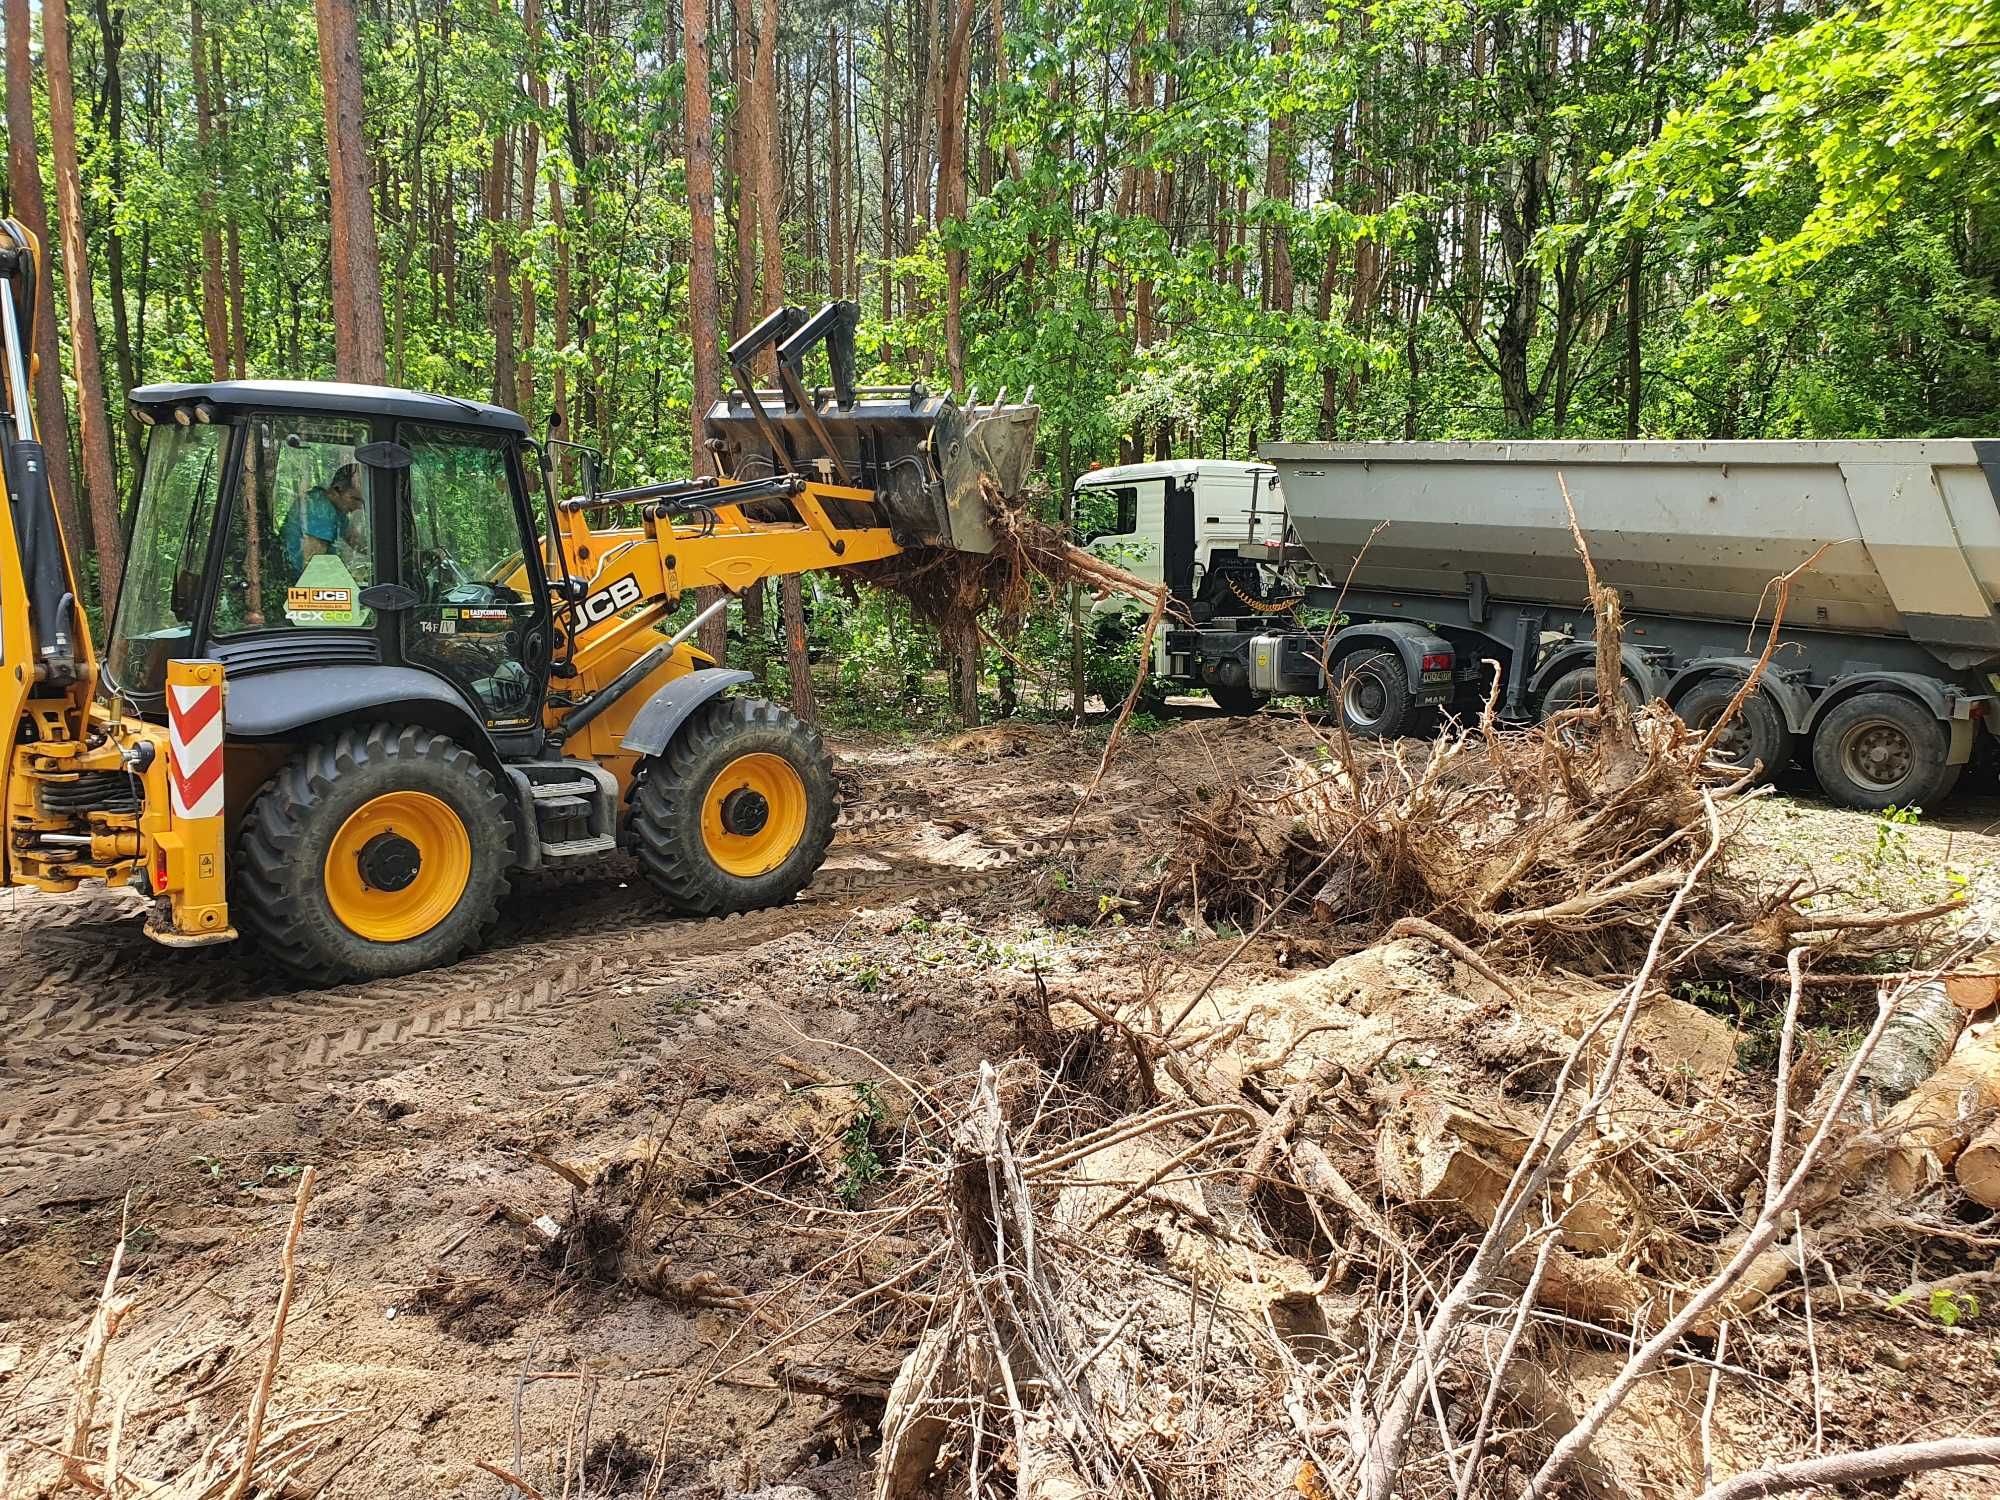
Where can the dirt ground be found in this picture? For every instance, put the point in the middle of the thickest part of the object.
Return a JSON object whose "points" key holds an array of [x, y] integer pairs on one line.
{"points": [[749, 1059]]}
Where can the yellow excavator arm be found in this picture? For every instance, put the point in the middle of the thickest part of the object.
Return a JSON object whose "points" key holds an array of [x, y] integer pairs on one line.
{"points": [[87, 793]]}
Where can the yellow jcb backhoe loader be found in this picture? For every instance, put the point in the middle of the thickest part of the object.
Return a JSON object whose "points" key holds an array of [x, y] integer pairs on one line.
{"points": [[365, 664]]}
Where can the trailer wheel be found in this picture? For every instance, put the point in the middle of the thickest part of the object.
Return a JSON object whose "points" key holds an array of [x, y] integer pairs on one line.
{"points": [[379, 852], [1578, 689], [1371, 694], [1880, 750], [1233, 698], [1756, 735], [737, 812]]}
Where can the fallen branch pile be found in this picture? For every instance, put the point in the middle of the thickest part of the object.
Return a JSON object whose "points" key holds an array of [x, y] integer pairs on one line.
{"points": [[1554, 845]]}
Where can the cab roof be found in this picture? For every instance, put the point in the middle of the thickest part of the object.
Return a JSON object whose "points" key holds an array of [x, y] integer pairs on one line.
{"points": [[1171, 468], [158, 401]]}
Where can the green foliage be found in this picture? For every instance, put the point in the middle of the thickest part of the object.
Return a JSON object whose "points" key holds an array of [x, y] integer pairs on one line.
{"points": [[1945, 1305], [860, 1165], [1185, 227], [1843, 127]]}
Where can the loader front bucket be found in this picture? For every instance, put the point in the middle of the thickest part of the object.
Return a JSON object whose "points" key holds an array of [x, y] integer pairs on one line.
{"points": [[925, 458], [919, 453]]}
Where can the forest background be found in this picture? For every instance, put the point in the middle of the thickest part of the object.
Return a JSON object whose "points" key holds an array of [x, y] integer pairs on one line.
{"points": [[1189, 226]]}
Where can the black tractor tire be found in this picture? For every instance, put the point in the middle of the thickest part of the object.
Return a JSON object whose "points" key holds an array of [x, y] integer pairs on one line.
{"points": [[1756, 736], [1371, 695], [709, 846], [291, 891], [1880, 750], [1237, 699]]}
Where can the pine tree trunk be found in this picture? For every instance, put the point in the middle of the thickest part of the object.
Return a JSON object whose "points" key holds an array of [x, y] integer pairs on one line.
{"points": [[770, 177], [951, 190], [704, 296], [531, 143], [214, 300], [743, 157], [93, 423], [357, 270], [964, 649], [112, 30], [792, 600], [836, 180], [559, 379], [24, 186], [500, 269]]}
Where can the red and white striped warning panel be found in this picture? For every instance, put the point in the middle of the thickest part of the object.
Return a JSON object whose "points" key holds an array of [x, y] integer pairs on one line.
{"points": [[194, 759]]}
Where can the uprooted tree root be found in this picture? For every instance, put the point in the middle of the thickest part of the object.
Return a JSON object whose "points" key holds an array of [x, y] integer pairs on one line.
{"points": [[1551, 846], [953, 590]]}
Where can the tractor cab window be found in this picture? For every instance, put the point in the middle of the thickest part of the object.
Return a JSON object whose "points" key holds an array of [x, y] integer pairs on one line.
{"points": [[168, 555], [298, 552], [476, 620]]}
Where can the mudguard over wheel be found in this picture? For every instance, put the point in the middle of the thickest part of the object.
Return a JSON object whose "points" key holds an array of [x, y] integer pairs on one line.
{"points": [[378, 852], [737, 812]]}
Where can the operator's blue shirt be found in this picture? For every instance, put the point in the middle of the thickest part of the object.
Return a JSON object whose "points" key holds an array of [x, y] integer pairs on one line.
{"points": [[315, 516]]}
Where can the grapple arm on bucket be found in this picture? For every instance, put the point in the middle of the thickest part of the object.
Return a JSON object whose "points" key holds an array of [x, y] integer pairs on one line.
{"points": [[925, 458]]}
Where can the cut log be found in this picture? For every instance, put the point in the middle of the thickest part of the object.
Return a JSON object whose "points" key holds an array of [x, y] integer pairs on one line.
{"points": [[1444, 1151], [1979, 1167], [1922, 1136], [1976, 983]]}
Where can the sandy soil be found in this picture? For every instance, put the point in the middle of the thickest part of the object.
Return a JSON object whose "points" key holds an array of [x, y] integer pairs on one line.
{"points": [[181, 1095]]}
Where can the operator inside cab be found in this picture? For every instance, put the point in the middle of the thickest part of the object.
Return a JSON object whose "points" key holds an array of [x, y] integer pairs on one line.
{"points": [[325, 516]]}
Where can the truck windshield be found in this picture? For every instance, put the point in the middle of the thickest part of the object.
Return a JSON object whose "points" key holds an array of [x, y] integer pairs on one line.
{"points": [[164, 560]]}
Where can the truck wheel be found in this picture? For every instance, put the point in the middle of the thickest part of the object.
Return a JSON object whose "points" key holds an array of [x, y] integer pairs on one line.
{"points": [[1371, 694], [737, 812], [1578, 689], [379, 852], [1238, 700], [1756, 735], [1880, 750]]}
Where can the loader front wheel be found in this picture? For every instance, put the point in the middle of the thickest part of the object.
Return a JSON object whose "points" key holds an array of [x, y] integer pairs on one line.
{"points": [[737, 812], [378, 852]]}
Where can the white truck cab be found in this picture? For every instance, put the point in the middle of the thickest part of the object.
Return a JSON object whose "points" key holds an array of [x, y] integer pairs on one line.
{"points": [[1166, 521]]}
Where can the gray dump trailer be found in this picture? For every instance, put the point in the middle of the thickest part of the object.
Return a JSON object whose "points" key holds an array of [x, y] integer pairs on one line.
{"points": [[1886, 677]]}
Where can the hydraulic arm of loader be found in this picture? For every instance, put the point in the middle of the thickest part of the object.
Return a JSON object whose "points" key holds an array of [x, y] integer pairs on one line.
{"points": [[86, 793], [911, 468]]}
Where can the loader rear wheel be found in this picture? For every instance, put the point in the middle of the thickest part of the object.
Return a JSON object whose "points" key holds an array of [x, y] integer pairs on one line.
{"points": [[737, 812], [378, 852]]}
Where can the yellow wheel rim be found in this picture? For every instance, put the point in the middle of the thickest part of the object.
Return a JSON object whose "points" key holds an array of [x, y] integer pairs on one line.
{"points": [[753, 814], [397, 866]]}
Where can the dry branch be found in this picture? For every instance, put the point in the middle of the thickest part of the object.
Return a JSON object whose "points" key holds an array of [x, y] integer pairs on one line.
{"points": [[1859, 1468]]}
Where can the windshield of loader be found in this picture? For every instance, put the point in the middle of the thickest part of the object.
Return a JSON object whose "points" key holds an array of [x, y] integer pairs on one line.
{"points": [[163, 566]]}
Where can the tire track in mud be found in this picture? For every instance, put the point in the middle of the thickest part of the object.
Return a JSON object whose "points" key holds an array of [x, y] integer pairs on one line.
{"points": [[107, 1040]]}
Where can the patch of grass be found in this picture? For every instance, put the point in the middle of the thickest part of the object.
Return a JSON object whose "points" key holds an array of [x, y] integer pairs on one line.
{"points": [[859, 1164]]}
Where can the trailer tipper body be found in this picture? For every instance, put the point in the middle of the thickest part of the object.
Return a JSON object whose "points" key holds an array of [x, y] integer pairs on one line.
{"points": [[1890, 658]]}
